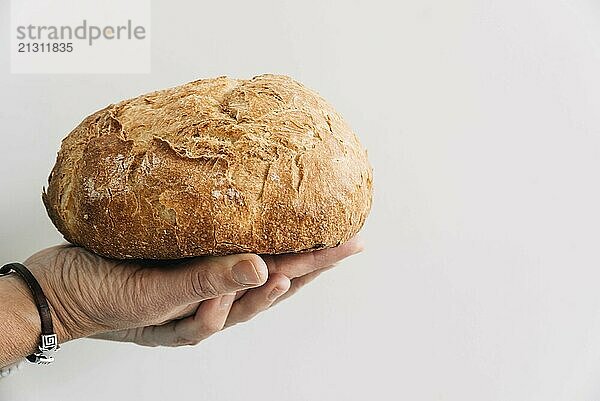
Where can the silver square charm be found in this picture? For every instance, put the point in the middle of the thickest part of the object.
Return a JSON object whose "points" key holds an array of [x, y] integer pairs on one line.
{"points": [[49, 343], [47, 348]]}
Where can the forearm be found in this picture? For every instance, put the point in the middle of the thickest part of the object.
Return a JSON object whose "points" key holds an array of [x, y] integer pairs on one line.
{"points": [[20, 326]]}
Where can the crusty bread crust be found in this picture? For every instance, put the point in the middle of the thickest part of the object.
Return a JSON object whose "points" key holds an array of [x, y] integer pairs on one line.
{"points": [[212, 167]]}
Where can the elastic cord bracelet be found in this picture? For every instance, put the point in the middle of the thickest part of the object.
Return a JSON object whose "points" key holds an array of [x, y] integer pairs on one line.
{"points": [[48, 340]]}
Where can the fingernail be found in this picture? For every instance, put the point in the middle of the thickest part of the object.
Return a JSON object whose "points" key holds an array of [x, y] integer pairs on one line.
{"points": [[244, 272], [226, 301], [276, 293]]}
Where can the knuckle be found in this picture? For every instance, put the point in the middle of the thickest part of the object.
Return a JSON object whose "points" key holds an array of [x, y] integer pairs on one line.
{"points": [[208, 328], [187, 338], [182, 341], [205, 285], [301, 281], [193, 341]]}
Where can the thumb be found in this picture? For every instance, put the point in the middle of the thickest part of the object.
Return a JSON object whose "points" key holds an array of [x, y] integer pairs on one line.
{"points": [[203, 278]]}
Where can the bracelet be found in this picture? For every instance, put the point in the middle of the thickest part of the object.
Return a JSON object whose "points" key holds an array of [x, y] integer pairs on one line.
{"points": [[48, 339]]}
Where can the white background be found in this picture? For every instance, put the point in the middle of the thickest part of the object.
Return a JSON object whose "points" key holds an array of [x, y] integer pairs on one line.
{"points": [[481, 276]]}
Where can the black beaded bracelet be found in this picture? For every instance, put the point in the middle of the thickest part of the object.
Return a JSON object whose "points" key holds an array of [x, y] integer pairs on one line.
{"points": [[48, 340]]}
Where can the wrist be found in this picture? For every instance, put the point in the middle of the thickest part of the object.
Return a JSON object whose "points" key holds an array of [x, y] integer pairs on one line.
{"points": [[25, 311], [64, 296], [19, 321]]}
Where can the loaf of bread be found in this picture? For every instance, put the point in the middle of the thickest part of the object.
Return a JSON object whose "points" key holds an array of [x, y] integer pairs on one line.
{"points": [[212, 167]]}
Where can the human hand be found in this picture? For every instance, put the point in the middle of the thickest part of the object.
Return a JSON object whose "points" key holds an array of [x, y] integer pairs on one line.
{"points": [[181, 303]]}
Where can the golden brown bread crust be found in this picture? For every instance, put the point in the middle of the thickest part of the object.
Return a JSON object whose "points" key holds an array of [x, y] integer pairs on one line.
{"points": [[212, 167]]}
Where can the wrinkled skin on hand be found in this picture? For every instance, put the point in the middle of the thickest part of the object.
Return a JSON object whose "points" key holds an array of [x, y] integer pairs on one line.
{"points": [[169, 302]]}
